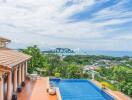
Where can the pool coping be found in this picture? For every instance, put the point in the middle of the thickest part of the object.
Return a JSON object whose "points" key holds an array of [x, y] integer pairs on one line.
{"points": [[58, 94]]}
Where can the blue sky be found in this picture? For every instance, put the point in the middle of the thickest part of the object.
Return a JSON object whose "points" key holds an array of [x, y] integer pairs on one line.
{"points": [[84, 24]]}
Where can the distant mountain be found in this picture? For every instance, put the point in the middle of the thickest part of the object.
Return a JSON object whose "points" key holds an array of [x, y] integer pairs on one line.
{"points": [[59, 50]]}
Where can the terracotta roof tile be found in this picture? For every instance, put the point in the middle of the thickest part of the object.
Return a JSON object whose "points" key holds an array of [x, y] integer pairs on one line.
{"points": [[10, 58]]}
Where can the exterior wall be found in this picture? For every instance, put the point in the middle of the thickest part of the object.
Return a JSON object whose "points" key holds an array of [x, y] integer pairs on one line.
{"points": [[2, 44]]}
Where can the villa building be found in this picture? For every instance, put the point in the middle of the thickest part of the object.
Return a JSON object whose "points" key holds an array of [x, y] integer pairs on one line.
{"points": [[13, 70]]}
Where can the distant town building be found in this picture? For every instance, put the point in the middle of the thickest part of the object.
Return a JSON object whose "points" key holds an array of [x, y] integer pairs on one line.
{"points": [[89, 67]]}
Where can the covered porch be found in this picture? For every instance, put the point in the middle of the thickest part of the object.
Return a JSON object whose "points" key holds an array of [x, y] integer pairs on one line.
{"points": [[13, 72]]}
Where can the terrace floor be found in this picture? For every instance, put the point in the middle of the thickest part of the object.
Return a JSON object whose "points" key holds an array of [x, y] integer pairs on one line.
{"points": [[35, 90]]}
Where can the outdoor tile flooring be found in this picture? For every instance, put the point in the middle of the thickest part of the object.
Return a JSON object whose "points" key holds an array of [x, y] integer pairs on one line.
{"points": [[35, 90]]}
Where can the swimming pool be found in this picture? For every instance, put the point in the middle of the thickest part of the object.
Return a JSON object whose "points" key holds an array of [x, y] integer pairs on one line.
{"points": [[76, 89]]}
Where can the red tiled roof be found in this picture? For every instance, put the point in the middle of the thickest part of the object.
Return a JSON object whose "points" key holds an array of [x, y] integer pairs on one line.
{"points": [[10, 58]]}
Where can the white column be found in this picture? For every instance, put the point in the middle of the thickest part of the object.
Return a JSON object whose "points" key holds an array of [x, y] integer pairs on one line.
{"points": [[19, 76], [1, 87], [9, 86], [23, 76], [26, 68], [15, 80]]}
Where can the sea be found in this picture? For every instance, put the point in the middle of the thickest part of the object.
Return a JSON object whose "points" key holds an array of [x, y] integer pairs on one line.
{"points": [[110, 53], [105, 53]]}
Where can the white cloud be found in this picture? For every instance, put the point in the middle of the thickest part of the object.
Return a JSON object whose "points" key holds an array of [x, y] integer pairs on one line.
{"points": [[116, 14], [115, 21], [46, 23], [124, 37], [49, 17]]}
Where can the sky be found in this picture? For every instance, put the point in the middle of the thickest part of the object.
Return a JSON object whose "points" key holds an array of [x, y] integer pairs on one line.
{"points": [[84, 24]]}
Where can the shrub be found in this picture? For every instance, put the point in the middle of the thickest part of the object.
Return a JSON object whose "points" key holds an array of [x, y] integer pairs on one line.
{"points": [[57, 75]]}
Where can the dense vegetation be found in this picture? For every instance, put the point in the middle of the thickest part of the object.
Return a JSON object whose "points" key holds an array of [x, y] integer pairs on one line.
{"points": [[90, 59], [119, 77], [51, 65]]}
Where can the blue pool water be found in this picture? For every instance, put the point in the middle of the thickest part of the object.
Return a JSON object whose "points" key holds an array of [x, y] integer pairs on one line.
{"points": [[76, 89]]}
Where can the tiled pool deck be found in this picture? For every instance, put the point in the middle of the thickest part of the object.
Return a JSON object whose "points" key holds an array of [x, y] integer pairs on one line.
{"points": [[36, 90]]}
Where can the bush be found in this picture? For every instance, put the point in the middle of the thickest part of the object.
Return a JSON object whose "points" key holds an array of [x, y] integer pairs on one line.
{"points": [[57, 75], [108, 85]]}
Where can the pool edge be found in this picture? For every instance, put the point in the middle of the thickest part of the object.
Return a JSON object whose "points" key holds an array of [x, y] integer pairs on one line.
{"points": [[58, 93]]}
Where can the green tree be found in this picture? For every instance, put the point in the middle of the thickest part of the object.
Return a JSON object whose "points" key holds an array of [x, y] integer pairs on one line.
{"points": [[73, 71], [38, 59]]}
